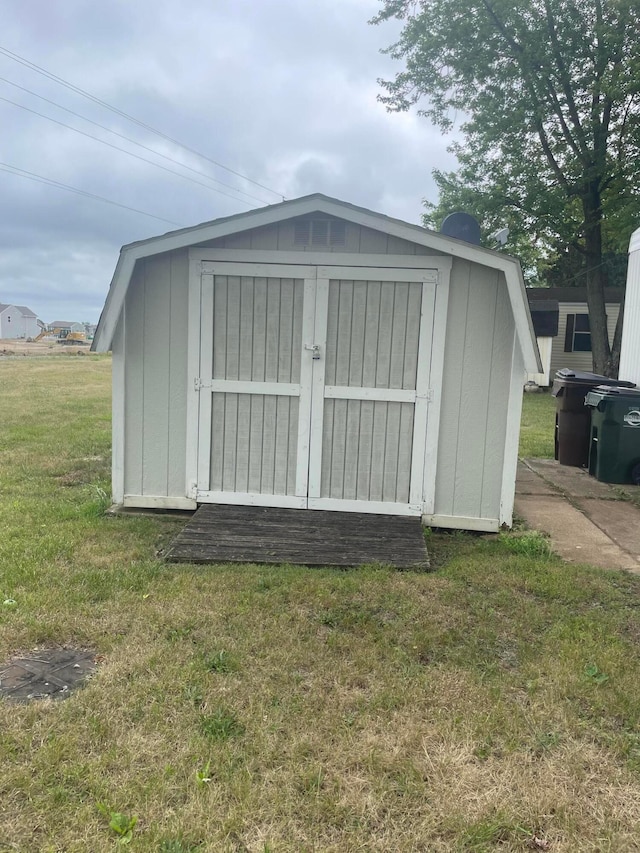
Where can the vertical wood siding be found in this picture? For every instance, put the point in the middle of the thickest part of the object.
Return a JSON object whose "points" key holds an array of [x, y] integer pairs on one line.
{"points": [[253, 444], [156, 377], [477, 371], [372, 342], [257, 336], [372, 334], [366, 453]]}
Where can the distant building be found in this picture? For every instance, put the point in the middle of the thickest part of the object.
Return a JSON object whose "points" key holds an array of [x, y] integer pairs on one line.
{"points": [[566, 341], [18, 321]]}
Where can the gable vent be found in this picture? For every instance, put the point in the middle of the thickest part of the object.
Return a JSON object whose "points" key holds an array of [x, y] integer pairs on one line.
{"points": [[319, 232]]}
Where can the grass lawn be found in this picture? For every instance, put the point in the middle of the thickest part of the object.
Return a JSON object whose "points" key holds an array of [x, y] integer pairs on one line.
{"points": [[492, 704], [538, 424]]}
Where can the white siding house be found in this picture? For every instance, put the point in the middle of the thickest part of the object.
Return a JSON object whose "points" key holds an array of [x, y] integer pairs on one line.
{"points": [[317, 355], [18, 321], [571, 346]]}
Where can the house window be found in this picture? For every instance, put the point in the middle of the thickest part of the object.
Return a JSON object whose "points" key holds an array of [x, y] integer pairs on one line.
{"points": [[578, 334]]}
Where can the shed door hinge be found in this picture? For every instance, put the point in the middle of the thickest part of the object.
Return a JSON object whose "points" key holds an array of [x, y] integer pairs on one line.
{"points": [[198, 384], [428, 395]]}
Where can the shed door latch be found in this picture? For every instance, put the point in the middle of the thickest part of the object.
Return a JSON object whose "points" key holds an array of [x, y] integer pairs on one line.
{"points": [[315, 350]]}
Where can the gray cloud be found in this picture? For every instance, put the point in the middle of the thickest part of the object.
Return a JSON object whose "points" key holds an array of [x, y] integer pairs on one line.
{"points": [[284, 92]]}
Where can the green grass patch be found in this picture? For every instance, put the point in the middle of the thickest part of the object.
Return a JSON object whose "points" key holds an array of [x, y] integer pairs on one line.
{"points": [[261, 708], [538, 426]]}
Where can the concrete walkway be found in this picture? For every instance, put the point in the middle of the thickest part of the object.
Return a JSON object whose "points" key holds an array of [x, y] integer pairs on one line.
{"points": [[587, 521]]}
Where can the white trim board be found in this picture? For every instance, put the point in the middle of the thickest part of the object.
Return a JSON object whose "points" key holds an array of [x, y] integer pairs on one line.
{"points": [[252, 499], [377, 507], [118, 413], [512, 437], [319, 258], [355, 392], [435, 383], [458, 522], [158, 502], [193, 369]]}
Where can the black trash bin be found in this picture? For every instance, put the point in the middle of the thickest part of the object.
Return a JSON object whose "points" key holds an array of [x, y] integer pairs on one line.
{"points": [[614, 453], [573, 418]]}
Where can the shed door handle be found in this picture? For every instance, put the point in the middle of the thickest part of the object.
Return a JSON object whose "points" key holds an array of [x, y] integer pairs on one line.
{"points": [[315, 350]]}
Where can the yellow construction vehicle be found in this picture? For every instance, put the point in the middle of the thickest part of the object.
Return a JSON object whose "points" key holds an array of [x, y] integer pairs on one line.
{"points": [[67, 337]]}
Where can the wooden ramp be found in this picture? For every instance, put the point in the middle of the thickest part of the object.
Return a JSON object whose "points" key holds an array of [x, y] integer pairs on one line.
{"points": [[220, 533]]}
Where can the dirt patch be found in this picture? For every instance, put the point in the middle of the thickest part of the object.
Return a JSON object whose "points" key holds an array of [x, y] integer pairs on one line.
{"points": [[45, 347]]}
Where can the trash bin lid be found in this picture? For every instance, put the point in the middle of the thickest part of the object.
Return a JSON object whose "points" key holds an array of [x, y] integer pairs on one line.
{"points": [[577, 377], [605, 396], [619, 393]]}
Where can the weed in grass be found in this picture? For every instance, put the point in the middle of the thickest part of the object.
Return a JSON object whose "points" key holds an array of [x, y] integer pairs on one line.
{"points": [[221, 662], [595, 674], [98, 503], [312, 782], [203, 775], [193, 694], [485, 835], [180, 632], [528, 543], [544, 742], [120, 823], [221, 725]]}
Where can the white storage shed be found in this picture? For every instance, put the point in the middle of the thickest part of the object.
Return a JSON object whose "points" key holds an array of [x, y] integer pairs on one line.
{"points": [[317, 355]]}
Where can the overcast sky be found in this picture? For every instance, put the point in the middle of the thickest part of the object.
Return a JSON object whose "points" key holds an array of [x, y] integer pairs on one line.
{"points": [[281, 91]]}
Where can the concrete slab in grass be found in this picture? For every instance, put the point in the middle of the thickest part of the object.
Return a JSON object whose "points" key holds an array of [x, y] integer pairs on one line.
{"points": [[574, 537], [528, 482], [571, 481], [619, 520]]}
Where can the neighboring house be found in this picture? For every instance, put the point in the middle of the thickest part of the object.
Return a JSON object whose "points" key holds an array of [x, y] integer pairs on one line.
{"points": [[571, 346], [317, 355], [18, 321], [544, 316], [65, 326]]}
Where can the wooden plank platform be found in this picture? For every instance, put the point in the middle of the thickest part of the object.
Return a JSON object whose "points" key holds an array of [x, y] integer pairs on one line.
{"points": [[219, 533]]}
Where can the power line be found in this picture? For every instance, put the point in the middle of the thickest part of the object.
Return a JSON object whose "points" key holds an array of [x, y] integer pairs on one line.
{"points": [[23, 173], [123, 150], [39, 70], [126, 138]]}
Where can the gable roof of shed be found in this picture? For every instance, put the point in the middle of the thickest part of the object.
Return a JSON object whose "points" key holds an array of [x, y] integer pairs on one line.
{"points": [[316, 203]]}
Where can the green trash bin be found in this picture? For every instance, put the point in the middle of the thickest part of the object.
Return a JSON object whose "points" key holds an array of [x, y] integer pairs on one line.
{"points": [[614, 446], [573, 421]]}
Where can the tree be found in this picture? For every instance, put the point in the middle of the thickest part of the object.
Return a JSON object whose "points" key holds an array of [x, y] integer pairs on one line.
{"points": [[550, 95]]}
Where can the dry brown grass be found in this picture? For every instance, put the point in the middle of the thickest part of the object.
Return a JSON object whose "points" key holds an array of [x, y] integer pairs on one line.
{"points": [[336, 711]]}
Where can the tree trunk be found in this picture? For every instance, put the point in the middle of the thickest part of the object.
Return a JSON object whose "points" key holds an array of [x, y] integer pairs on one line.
{"points": [[600, 348]]}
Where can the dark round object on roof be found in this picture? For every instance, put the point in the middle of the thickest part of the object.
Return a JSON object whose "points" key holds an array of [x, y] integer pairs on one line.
{"points": [[463, 226]]}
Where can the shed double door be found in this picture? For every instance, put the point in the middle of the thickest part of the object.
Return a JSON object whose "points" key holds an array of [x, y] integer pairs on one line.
{"points": [[314, 386]]}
